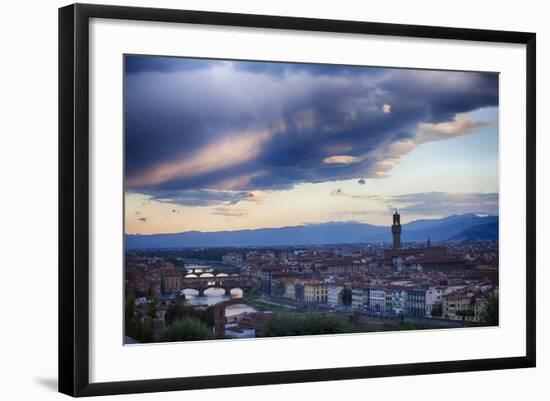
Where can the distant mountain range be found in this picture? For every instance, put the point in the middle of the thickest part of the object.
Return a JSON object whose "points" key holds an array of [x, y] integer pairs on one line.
{"points": [[480, 232], [456, 227]]}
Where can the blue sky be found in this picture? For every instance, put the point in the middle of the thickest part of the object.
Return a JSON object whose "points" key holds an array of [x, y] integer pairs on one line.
{"points": [[220, 145]]}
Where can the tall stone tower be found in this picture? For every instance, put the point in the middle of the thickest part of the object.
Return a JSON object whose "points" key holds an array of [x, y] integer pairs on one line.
{"points": [[396, 230]]}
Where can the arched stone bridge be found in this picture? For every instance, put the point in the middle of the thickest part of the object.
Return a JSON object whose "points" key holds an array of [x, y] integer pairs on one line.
{"points": [[227, 283]]}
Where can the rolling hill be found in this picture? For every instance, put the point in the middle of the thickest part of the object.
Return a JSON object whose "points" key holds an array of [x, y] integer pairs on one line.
{"points": [[452, 227], [480, 232]]}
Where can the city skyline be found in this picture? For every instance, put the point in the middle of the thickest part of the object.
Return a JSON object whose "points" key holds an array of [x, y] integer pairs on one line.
{"points": [[216, 145]]}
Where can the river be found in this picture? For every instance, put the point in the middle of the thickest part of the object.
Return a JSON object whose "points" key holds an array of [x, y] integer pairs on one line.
{"points": [[214, 296]]}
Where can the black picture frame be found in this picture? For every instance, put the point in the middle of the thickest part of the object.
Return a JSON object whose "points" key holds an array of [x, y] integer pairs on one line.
{"points": [[74, 198]]}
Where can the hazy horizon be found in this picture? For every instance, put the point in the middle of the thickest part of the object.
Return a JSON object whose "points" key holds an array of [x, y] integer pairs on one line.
{"points": [[388, 225]]}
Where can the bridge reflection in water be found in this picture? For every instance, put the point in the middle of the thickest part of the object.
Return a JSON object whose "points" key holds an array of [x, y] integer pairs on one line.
{"points": [[211, 296]]}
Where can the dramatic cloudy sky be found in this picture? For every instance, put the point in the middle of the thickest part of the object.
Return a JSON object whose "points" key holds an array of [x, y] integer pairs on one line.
{"points": [[222, 145]]}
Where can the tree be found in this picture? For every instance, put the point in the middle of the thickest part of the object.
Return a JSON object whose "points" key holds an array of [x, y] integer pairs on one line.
{"points": [[152, 313], [464, 313], [178, 311], [407, 326], [293, 324], [187, 329], [489, 317], [131, 323], [146, 331], [346, 296], [135, 326]]}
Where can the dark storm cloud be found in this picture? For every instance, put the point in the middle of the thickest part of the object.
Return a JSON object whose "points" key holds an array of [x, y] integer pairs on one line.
{"points": [[442, 203], [214, 126], [446, 93], [142, 63], [134, 64], [280, 70]]}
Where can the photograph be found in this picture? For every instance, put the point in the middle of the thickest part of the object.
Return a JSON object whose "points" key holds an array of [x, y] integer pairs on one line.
{"points": [[274, 199]]}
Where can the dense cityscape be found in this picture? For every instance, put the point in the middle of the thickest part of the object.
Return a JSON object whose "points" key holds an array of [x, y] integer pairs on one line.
{"points": [[183, 294]]}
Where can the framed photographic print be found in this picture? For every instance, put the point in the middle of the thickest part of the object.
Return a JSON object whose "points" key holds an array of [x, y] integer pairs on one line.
{"points": [[250, 199]]}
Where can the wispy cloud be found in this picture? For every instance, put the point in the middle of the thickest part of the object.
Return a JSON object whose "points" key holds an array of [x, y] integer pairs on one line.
{"points": [[340, 192], [229, 211], [443, 203], [356, 213], [201, 197], [461, 125]]}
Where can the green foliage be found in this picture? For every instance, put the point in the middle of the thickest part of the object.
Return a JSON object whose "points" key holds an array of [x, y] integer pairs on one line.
{"points": [[250, 292], [130, 319], [187, 329], [146, 331], [465, 312], [294, 324], [136, 326], [268, 306], [178, 311], [489, 317], [406, 326], [152, 312], [174, 260]]}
